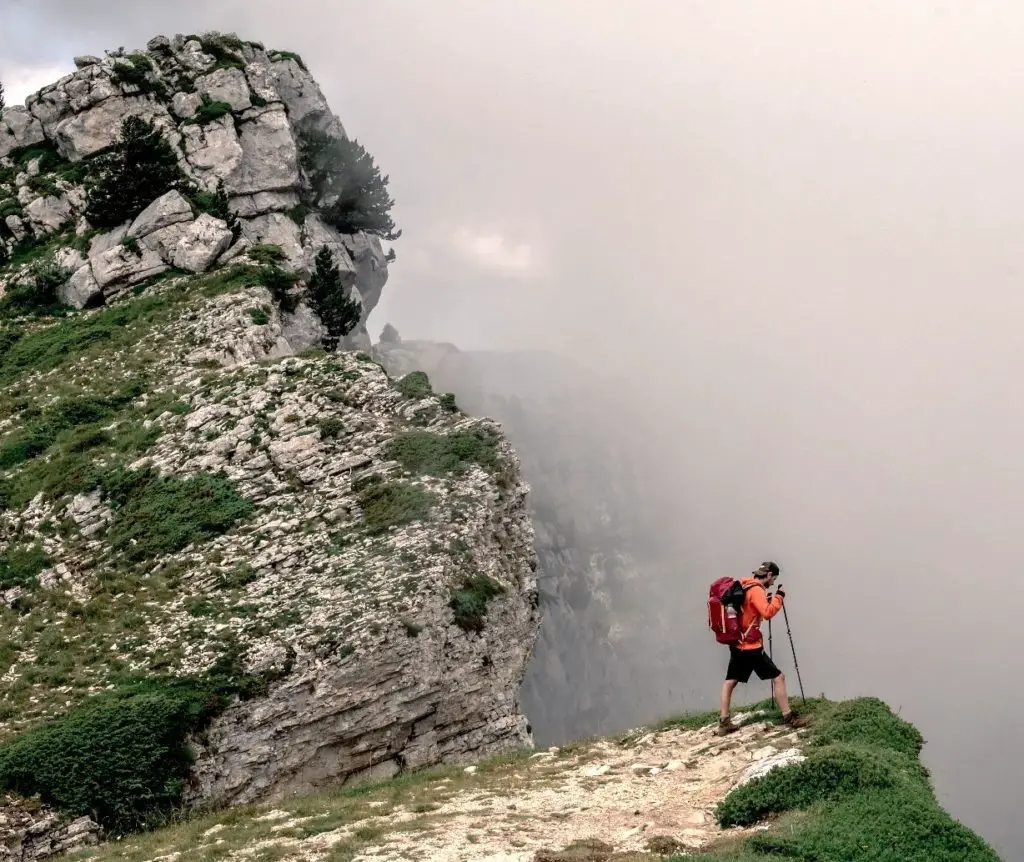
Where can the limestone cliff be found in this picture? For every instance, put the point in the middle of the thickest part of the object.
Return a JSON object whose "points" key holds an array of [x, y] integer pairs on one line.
{"points": [[235, 563], [604, 658]]}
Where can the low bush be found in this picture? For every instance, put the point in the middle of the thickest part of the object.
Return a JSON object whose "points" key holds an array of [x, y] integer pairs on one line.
{"points": [[392, 504], [208, 111], [19, 567], [415, 384], [469, 602], [157, 514], [121, 757], [424, 452]]}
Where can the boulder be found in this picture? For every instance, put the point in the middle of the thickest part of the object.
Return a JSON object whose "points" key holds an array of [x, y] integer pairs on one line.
{"points": [[270, 158], [212, 151], [226, 85], [306, 104], [248, 206], [81, 289], [185, 105], [96, 129], [19, 128], [120, 265], [277, 229], [48, 214], [200, 246], [171, 208]]}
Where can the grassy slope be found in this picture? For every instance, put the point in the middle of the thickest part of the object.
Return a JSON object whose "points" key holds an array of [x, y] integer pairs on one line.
{"points": [[862, 794]]}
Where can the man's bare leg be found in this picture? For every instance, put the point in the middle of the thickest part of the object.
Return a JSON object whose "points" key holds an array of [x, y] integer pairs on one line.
{"points": [[779, 687]]}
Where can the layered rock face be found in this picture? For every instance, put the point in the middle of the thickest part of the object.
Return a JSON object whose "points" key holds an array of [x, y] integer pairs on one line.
{"points": [[235, 114], [605, 657], [193, 488]]}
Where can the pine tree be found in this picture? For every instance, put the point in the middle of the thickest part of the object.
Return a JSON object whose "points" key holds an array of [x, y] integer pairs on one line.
{"points": [[347, 185], [327, 295], [140, 167]]}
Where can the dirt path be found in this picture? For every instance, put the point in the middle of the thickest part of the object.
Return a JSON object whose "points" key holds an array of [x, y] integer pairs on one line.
{"points": [[663, 785]]}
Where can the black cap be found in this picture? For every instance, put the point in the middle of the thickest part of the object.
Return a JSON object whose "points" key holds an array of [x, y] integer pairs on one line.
{"points": [[768, 568]]}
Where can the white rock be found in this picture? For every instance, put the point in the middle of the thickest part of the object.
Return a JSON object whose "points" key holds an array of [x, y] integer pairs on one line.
{"points": [[277, 229], [19, 128], [302, 329], [270, 158], [168, 209], [106, 241], [226, 85], [201, 244], [212, 151], [765, 765], [185, 105], [594, 771], [81, 289], [49, 213], [121, 265], [248, 206], [89, 132], [305, 101]]}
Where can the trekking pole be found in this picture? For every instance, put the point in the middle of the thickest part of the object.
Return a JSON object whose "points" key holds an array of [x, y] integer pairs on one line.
{"points": [[770, 656], [795, 664]]}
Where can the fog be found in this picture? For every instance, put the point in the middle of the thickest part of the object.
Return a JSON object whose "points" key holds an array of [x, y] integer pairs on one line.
{"points": [[790, 233]]}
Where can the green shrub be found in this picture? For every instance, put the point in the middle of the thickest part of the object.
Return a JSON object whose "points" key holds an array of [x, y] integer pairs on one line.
{"points": [[280, 284], [40, 294], [39, 433], [288, 55], [331, 428], [393, 504], [901, 826], [869, 721], [156, 515], [415, 384], [136, 70], [140, 167], [442, 454], [217, 204], [343, 172], [827, 774], [121, 757], [469, 602], [208, 111], [329, 298], [224, 48], [259, 316], [266, 254], [19, 567]]}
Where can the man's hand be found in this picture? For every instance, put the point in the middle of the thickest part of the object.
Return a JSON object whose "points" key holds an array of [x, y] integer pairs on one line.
{"points": [[779, 591]]}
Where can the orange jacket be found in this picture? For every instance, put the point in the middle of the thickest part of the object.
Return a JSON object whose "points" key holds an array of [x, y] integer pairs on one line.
{"points": [[756, 607]]}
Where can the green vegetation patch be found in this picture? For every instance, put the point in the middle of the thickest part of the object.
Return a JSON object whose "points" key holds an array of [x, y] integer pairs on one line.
{"points": [[469, 602], [392, 504], [120, 757], [415, 384], [157, 514], [424, 452], [862, 794], [19, 567]]}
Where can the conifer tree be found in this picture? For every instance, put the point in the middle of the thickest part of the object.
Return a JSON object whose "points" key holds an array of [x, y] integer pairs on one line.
{"points": [[139, 168], [327, 295]]}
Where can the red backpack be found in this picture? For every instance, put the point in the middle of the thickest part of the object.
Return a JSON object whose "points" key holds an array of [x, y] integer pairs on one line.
{"points": [[725, 603]]}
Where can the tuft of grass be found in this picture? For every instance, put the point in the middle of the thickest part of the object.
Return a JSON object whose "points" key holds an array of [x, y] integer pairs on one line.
{"points": [[331, 429], [19, 567], [259, 316], [469, 602], [415, 384], [208, 112], [156, 514], [393, 504], [424, 452], [266, 253]]}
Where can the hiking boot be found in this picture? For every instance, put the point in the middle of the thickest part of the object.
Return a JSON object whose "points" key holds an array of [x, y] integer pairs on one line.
{"points": [[725, 726], [794, 720]]}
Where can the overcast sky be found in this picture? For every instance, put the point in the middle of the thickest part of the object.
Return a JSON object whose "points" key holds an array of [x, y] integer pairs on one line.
{"points": [[795, 228]]}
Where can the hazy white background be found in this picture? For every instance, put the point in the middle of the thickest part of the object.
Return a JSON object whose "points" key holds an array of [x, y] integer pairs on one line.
{"points": [[794, 230]]}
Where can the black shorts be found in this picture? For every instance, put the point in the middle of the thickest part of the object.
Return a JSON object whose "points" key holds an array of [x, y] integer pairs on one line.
{"points": [[742, 662]]}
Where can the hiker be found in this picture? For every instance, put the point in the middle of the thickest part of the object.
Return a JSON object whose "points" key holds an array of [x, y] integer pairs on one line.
{"points": [[748, 655]]}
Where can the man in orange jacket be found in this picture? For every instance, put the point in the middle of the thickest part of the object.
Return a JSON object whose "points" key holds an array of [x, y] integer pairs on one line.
{"points": [[748, 656]]}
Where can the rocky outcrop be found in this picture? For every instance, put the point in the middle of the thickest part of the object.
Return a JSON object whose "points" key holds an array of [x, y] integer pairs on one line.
{"points": [[605, 655], [29, 831], [235, 113]]}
